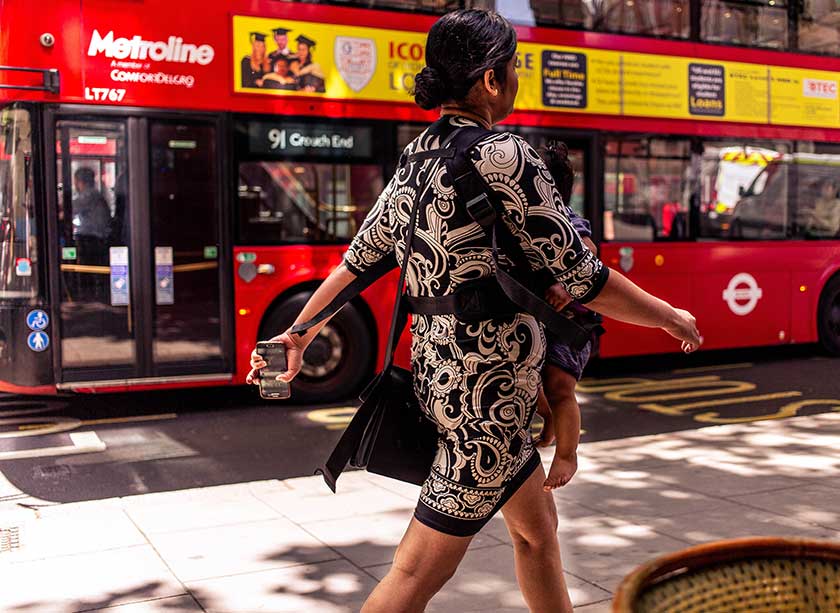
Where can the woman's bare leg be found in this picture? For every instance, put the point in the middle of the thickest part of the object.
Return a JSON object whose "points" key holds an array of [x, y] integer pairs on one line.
{"points": [[531, 519], [425, 560]]}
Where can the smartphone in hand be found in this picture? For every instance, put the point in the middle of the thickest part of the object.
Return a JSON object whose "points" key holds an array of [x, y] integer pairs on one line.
{"points": [[274, 354]]}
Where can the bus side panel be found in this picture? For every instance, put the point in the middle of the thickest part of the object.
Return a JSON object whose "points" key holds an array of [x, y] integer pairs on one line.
{"points": [[19, 45], [662, 270], [805, 291], [295, 266]]}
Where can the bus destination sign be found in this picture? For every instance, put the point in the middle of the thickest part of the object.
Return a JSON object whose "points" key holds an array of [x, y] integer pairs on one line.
{"points": [[318, 140]]}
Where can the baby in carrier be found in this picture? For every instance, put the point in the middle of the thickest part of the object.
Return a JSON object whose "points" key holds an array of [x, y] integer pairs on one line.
{"points": [[563, 365]]}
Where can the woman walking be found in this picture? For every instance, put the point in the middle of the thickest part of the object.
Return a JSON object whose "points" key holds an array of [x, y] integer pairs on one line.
{"points": [[478, 381]]}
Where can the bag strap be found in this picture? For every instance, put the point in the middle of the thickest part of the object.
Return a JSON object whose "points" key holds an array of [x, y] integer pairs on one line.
{"points": [[384, 266], [356, 287], [482, 205], [352, 437]]}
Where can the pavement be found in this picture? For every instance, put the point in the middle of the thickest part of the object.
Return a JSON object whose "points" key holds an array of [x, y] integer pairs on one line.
{"points": [[291, 545]]}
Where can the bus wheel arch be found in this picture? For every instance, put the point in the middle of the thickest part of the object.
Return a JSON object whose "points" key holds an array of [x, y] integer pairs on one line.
{"points": [[340, 359], [828, 315]]}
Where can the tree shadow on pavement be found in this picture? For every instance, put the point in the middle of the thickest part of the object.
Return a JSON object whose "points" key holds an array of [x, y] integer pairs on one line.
{"points": [[150, 594]]}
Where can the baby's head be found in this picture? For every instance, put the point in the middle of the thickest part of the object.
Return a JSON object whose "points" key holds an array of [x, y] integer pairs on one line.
{"points": [[555, 154]]}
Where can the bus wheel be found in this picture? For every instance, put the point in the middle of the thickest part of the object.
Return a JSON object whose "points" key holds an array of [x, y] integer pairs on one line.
{"points": [[337, 361], [828, 322]]}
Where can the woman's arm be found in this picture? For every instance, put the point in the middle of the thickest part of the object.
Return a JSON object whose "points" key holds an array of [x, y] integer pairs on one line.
{"points": [[372, 243], [625, 301], [537, 216], [296, 345]]}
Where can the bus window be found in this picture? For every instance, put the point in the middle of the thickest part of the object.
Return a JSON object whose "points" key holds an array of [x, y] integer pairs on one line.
{"points": [[646, 189], [818, 27], [296, 202], [817, 195], [650, 18], [741, 22], [761, 211], [744, 191], [18, 247]]}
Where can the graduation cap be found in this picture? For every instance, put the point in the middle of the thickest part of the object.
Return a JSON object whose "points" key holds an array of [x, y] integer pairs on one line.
{"points": [[305, 40], [281, 31], [258, 36]]}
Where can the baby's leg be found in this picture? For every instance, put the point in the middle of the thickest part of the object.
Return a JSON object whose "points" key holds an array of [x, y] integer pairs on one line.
{"points": [[560, 391], [544, 411]]}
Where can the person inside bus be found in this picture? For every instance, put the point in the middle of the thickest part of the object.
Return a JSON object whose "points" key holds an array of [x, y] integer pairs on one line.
{"points": [[478, 382], [280, 77], [91, 222], [281, 39], [823, 218], [309, 73], [256, 65], [557, 404]]}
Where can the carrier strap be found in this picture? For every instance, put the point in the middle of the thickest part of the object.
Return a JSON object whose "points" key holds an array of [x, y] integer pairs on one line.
{"points": [[483, 206]]}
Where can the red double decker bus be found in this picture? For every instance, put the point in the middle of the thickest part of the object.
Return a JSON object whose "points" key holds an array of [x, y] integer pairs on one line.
{"points": [[175, 179]]}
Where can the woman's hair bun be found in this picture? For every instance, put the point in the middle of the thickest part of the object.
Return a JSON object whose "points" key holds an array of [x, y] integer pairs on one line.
{"points": [[430, 89]]}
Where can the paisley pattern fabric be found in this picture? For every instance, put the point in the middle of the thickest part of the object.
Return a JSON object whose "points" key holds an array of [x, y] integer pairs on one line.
{"points": [[477, 381]]}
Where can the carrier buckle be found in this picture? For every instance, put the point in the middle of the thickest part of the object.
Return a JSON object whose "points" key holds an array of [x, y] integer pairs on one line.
{"points": [[469, 306], [481, 210]]}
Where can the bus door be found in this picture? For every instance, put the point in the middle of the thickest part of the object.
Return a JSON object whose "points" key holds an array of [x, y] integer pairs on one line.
{"points": [[139, 287]]}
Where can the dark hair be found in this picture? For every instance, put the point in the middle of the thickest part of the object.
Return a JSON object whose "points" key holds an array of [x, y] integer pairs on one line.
{"points": [[555, 154], [461, 47], [86, 176]]}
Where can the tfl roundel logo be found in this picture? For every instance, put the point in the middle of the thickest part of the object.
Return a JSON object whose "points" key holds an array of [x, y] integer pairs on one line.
{"points": [[742, 294]]}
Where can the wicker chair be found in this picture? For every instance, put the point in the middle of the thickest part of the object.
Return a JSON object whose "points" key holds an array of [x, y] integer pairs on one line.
{"points": [[747, 575]]}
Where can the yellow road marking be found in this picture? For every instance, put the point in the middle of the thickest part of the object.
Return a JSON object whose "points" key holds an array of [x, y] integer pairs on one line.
{"points": [[677, 409], [789, 410], [597, 386], [653, 391], [682, 371], [335, 418]]}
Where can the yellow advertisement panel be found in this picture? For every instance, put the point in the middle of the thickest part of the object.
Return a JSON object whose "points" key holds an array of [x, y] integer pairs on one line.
{"points": [[746, 92], [282, 57], [323, 60], [803, 97]]}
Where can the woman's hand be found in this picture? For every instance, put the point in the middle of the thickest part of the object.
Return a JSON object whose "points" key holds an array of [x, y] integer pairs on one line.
{"points": [[683, 327], [294, 358], [557, 296]]}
